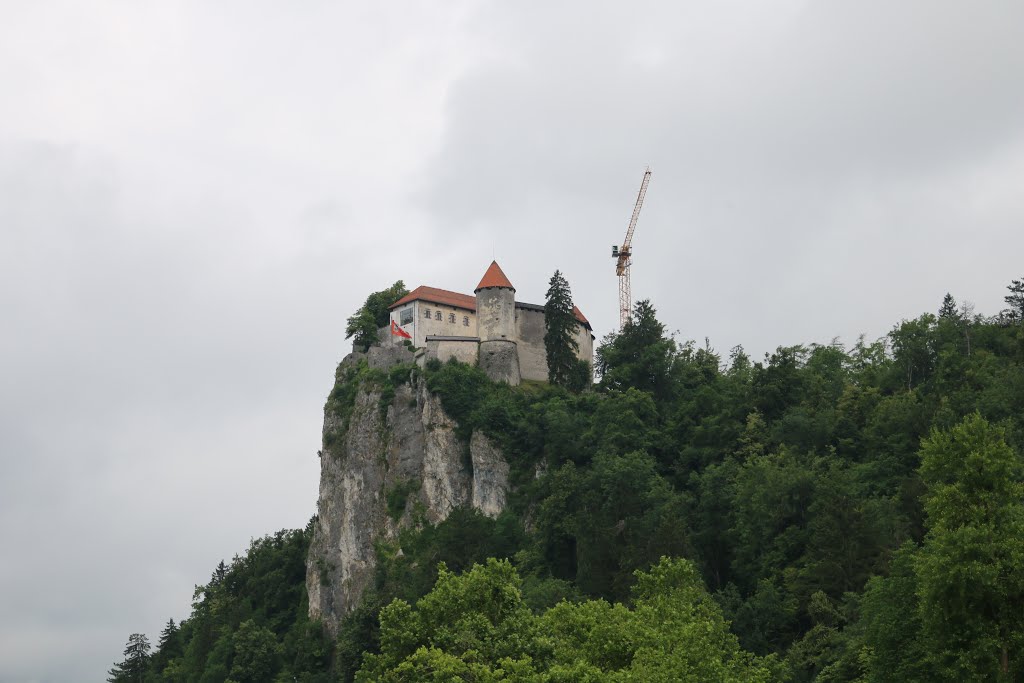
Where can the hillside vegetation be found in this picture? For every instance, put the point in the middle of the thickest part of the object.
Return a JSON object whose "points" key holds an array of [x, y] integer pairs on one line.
{"points": [[826, 513]]}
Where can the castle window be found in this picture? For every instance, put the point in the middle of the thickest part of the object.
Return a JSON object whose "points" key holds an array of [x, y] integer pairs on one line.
{"points": [[465, 320], [437, 315], [451, 318], [426, 313]]}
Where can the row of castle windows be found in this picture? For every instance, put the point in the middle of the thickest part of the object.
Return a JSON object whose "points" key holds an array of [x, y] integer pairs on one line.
{"points": [[451, 317]]}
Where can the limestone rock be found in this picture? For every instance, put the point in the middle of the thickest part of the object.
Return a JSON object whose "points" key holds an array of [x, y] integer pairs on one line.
{"points": [[414, 440], [490, 475]]}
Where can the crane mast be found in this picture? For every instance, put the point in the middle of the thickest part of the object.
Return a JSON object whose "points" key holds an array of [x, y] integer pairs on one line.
{"points": [[624, 255]]}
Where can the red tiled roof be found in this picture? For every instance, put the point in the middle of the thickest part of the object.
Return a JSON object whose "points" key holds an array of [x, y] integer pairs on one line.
{"points": [[579, 316], [494, 277], [448, 298], [438, 296]]}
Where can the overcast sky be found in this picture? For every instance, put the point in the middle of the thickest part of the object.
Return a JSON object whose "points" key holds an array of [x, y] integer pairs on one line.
{"points": [[194, 196]]}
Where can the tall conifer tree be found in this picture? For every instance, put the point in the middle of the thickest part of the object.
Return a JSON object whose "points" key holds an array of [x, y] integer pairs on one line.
{"points": [[136, 658], [1016, 298], [559, 326], [948, 309]]}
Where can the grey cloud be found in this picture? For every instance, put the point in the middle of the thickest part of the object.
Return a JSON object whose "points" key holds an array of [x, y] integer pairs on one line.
{"points": [[194, 197], [796, 172]]}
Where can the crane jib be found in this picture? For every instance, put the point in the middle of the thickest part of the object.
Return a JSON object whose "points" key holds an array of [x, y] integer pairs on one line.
{"points": [[623, 254]]}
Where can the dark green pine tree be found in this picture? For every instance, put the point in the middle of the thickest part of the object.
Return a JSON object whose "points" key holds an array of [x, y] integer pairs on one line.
{"points": [[559, 328], [168, 635], [1015, 299], [167, 648], [136, 658], [218, 574], [948, 309]]}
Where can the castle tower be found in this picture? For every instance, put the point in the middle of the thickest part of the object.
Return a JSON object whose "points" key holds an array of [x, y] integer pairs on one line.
{"points": [[496, 324]]}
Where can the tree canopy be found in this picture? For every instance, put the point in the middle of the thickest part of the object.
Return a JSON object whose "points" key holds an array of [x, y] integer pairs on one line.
{"points": [[373, 315], [477, 627], [826, 513]]}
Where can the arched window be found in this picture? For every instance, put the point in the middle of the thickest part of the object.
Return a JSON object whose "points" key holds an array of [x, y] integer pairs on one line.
{"points": [[451, 318], [426, 313], [437, 315], [465, 321]]}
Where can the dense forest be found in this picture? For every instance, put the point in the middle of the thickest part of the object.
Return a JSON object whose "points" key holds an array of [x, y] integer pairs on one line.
{"points": [[826, 513]]}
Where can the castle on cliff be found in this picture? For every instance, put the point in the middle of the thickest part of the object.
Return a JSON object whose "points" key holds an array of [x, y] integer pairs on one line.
{"points": [[491, 329]]}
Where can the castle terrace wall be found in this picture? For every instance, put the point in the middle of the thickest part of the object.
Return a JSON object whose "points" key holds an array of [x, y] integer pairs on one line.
{"points": [[465, 350]]}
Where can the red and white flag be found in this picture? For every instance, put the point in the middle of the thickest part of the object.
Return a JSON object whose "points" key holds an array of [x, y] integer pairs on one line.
{"points": [[398, 331]]}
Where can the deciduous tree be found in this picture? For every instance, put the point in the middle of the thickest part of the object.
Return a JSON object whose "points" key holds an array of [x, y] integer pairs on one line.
{"points": [[639, 355], [255, 655], [971, 566], [373, 315]]}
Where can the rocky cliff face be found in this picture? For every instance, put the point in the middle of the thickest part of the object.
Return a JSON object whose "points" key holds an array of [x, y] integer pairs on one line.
{"points": [[404, 449]]}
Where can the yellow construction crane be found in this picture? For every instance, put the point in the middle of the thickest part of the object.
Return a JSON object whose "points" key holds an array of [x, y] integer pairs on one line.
{"points": [[624, 255]]}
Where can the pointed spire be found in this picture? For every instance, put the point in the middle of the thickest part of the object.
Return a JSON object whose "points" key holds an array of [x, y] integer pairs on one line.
{"points": [[494, 277]]}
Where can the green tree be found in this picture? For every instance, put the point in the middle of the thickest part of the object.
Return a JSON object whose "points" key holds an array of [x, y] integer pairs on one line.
{"points": [[971, 566], [476, 627], [675, 632], [373, 315], [778, 383], [600, 523], [1015, 299], [772, 497], [639, 355], [168, 647], [168, 635], [913, 347], [891, 624], [136, 659], [464, 629], [256, 654], [560, 342], [948, 308]]}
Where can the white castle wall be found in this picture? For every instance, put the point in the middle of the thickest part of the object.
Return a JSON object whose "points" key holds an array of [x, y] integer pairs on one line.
{"points": [[422, 327]]}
